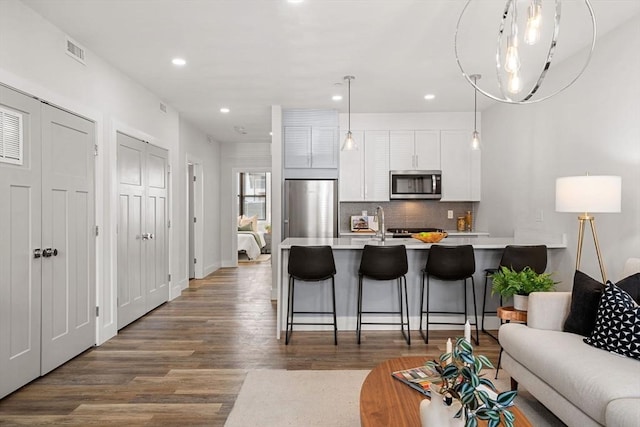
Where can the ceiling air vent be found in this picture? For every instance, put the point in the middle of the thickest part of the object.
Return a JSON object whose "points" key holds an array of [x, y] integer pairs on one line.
{"points": [[11, 137], [75, 51]]}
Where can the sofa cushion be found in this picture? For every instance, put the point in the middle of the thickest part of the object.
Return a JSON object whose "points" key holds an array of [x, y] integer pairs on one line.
{"points": [[618, 323], [623, 413], [631, 285], [585, 298], [587, 376]]}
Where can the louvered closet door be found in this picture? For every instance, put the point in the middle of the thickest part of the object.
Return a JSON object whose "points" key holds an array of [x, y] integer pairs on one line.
{"points": [[68, 229], [20, 274], [142, 228]]}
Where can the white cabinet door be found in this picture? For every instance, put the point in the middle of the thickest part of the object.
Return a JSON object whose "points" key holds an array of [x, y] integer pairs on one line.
{"points": [[460, 167], [427, 150], [324, 147], [376, 165], [352, 171], [297, 146], [401, 150]]}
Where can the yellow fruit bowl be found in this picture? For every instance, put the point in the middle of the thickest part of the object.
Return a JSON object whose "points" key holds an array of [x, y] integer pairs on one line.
{"points": [[430, 237]]}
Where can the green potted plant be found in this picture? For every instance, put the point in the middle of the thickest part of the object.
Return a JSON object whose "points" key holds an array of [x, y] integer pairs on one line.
{"points": [[462, 383], [519, 284]]}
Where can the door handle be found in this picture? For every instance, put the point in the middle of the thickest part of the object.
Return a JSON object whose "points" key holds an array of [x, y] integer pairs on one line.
{"points": [[37, 253]]}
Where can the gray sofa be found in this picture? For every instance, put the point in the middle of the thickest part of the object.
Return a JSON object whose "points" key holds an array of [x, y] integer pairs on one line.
{"points": [[582, 385]]}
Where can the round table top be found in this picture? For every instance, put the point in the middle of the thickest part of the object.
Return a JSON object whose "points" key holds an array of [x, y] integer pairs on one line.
{"points": [[385, 401], [511, 314]]}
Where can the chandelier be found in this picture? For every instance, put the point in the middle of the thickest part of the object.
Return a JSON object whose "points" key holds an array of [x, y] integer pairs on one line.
{"points": [[520, 42]]}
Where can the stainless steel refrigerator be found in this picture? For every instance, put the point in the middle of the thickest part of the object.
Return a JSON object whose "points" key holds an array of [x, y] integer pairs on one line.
{"points": [[310, 208]]}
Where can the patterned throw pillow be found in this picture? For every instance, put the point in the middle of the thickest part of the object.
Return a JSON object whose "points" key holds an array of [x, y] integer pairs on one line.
{"points": [[617, 324]]}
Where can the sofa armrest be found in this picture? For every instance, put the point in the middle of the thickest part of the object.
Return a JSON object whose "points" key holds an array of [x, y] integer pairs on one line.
{"points": [[548, 310]]}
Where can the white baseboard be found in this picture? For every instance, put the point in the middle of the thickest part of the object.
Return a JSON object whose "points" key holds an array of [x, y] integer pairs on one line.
{"points": [[212, 268]]}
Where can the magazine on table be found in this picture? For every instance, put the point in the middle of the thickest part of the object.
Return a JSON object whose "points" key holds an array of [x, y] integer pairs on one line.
{"points": [[419, 378]]}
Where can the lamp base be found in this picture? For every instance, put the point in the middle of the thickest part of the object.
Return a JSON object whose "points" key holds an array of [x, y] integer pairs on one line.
{"points": [[583, 219]]}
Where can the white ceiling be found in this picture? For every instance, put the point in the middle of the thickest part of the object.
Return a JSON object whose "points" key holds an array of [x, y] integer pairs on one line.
{"points": [[250, 54]]}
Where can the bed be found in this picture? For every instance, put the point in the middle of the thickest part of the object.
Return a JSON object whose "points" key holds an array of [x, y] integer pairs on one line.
{"points": [[251, 243]]}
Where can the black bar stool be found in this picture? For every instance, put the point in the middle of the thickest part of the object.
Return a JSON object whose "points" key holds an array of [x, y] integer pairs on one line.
{"points": [[450, 263], [311, 264], [517, 258], [385, 263]]}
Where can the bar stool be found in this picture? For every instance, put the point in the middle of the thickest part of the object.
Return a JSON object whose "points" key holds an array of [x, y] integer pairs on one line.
{"points": [[449, 263], [310, 264], [516, 257], [384, 263]]}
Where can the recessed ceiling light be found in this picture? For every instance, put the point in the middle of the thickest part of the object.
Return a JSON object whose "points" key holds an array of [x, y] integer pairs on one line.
{"points": [[429, 96], [295, 1], [224, 110], [178, 61], [337, 97]]}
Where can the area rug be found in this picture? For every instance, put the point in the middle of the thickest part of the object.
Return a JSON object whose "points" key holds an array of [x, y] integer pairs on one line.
{"points": [[279, 398], [261, 258]]}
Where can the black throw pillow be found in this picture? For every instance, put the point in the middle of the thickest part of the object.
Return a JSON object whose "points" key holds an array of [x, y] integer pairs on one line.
{"points": [[585, 298], [618, 323], [631, 285]]}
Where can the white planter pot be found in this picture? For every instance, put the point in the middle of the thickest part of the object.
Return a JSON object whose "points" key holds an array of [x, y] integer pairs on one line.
{"points": [[436, 413], [521, 302]]}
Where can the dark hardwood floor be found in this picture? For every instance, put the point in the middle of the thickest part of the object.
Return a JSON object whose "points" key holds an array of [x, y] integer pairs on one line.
{"points": [[184, 363]]}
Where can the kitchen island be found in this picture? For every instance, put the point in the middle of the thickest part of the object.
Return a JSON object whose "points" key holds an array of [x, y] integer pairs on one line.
{"points": [[381, 296]]}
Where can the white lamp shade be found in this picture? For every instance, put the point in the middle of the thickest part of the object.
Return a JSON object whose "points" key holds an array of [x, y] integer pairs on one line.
{"points": [[589, 194]]}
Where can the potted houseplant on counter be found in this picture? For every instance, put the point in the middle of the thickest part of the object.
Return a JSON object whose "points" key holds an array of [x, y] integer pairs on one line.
{"points": [[519, 284], [465, 392]]}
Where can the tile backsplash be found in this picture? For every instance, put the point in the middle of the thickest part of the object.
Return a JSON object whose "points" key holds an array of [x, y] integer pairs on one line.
{"points": [[408, 213]]}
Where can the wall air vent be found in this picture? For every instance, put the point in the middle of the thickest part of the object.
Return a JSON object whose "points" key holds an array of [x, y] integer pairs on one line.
{"points": [[11, 137], [75, 51]]}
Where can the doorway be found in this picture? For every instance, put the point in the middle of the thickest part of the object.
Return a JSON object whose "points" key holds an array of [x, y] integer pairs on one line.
{"points": [[252, 189], [195, 218]]}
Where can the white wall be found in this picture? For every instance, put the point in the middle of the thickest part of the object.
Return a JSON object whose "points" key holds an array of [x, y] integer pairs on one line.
{"points": [[196, 148], [32, 59], [594, 127], [235, 158]]}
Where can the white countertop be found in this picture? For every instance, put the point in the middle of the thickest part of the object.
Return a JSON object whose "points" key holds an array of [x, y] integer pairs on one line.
{"points": [[478, 242], [451, 233]]}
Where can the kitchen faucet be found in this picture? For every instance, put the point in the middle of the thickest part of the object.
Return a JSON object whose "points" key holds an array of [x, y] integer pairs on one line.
{"points": [[380, 215]]}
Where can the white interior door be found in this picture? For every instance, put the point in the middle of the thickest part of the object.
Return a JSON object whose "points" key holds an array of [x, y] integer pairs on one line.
{"points": [[156, 243], [20, 272], [142, 228], [190, 216], [68, 236]]}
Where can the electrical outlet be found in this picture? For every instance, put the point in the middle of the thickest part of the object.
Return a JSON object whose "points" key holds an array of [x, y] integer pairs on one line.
{"points": [[539, 215], [450, 214]]}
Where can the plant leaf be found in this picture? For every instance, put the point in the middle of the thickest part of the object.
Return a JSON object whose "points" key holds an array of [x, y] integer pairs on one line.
{"points": [[485, 361], [505, 398], [488, 383]]}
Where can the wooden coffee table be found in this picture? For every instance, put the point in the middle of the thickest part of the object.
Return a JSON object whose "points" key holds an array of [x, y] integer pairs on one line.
{"points": [[385, 401]]}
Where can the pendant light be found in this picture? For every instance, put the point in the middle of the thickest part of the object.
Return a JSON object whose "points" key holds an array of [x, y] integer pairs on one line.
{"points": [[524, 52], [475, 139], [349, 143]]}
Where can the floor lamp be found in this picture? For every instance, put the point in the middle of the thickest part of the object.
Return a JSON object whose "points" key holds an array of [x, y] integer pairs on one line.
{"points": [[589, 194]]}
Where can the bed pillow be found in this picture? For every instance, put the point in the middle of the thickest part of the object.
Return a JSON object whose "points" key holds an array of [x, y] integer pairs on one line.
{"points": [[585, 298], [618, 323], [253, 220], [246, 227]]}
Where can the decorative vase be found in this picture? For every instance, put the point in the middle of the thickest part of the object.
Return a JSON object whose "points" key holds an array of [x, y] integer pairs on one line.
{"points": [[521, 302], [436, 412]]}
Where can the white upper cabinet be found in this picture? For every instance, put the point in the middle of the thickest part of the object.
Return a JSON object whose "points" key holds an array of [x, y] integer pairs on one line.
{"points": [[364, 174], [414, 150], [310, 147], [460, 167]]}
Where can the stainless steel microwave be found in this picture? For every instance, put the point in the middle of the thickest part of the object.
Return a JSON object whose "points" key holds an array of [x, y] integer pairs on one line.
{"points": [[415, 184]]}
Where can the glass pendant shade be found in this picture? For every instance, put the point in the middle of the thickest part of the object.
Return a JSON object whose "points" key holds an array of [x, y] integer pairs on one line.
{"points": [[349, 142], [475, 140]]}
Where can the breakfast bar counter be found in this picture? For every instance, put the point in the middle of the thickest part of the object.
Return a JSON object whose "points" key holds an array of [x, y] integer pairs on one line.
{"points": [[347, 253]]}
